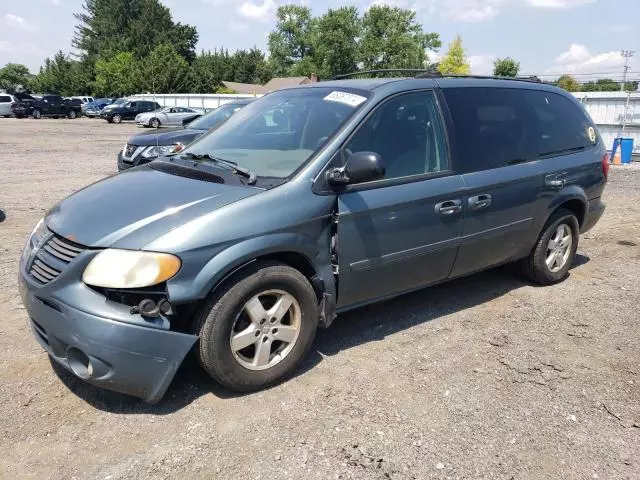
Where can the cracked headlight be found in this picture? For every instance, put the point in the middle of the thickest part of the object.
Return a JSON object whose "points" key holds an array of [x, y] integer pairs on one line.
{"points": [[114, 268]]}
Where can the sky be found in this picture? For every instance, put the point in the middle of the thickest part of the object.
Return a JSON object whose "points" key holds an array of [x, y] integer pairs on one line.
{"points": [[548, 37]]}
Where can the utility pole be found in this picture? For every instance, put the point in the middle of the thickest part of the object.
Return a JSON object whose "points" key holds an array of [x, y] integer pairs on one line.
{"points": [[626, 54]]}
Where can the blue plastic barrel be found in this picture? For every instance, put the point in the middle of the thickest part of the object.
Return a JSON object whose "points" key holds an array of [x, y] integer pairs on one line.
{"points": [[627, 150]]}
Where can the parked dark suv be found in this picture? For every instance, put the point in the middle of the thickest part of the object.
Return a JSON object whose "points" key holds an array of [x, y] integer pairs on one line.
{"points": [[48, 105], [146, 147], [308, 202], [128, 110]]}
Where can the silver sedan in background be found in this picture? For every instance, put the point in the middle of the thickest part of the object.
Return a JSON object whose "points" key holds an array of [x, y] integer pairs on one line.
{"points": [[167, 116]]}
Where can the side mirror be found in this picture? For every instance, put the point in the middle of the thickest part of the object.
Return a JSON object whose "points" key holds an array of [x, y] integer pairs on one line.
{"points": [[360, 167]]}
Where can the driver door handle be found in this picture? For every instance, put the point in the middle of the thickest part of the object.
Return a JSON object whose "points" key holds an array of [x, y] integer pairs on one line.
{"points": [[448, 207]]}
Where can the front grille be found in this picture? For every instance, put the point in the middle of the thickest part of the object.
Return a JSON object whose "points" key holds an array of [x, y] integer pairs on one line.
{"points": [[52, 258]]}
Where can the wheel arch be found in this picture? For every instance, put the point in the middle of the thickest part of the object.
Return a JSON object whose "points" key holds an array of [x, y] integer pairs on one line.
{"points": [[293, 250], [574, 200]]}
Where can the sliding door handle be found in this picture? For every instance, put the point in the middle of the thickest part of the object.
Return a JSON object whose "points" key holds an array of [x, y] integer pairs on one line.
{"points": [[480, 201], [448, 207]]}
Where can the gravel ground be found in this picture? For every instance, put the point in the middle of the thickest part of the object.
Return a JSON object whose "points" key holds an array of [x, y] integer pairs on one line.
{"points": [[483, 377]]}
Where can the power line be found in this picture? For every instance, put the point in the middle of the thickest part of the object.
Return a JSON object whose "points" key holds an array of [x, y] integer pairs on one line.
{"points": [[577, 74], [627, 54]]}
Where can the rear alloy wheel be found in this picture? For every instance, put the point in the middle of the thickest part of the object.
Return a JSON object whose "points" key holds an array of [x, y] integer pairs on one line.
{"points": [[72, 114], [36, 114], [555, 251], [154, 123], [257, 329]]}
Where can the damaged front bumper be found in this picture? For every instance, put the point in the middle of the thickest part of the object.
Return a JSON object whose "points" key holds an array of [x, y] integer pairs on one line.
{"points": [[100, 341]]}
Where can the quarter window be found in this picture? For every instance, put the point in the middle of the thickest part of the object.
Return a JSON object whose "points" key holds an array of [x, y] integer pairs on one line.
{"points": [[563, 126], [407, 133]]}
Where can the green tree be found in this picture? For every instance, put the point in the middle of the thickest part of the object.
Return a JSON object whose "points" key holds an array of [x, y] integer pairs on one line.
{"points": [[106, 27], [14, 75], [116, 76], [568, 83], [62, 75], [335, 38], [506, 67], [392, 38], [290, 44], [455, 61], [208, 71], [164, 71], [249, 66]]}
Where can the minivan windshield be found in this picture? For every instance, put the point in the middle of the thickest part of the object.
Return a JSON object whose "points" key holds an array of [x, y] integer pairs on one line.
{"points": [[278, 133]]}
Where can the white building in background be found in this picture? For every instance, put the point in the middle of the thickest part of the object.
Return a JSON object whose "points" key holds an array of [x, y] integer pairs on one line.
{"points": [[617, 114]]}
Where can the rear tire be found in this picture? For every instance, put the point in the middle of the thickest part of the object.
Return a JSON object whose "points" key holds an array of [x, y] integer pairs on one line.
{"points": [[117, 118], [555, 250], [259, 289], [36, 114]]}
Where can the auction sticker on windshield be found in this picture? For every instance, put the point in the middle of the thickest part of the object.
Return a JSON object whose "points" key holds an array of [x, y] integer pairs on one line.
{"points": [[350, 99]]}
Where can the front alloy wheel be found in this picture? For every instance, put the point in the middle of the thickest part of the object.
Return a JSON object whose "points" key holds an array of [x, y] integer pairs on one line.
{"points": [[266, 330], [257, 328], [117, 118]]}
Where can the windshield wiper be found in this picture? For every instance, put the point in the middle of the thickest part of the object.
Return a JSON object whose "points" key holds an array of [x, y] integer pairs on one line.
{"points": [[253, 178]]}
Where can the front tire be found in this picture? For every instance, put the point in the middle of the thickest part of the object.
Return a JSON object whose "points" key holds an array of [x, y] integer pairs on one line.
{"points": [[72, 114], [117, 118], [258, 327], [36, 114], [154, 123], [555, 251]]}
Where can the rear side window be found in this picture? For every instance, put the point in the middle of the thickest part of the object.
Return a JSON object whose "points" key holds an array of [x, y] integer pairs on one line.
{"points": [[53, 98], [562, 125], [493, 127], [5, 98]]}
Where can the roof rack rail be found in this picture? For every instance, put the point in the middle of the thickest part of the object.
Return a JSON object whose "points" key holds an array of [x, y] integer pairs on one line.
{"points": [[426, 73], [485, 77], [423, 71]]}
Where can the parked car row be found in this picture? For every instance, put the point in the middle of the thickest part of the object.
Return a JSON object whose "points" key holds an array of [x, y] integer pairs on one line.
{"points": [[114, 110]]}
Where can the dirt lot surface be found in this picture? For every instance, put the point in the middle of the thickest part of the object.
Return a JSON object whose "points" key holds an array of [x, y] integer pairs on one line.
{"points": [[484, 377]]}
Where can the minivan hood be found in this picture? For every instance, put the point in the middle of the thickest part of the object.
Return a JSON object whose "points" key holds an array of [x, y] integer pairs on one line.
{"points": [[133, 208], [166, 137]]}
